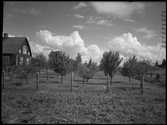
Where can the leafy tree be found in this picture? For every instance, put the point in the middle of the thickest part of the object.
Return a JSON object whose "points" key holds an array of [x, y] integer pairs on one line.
{"points": [[163, 65], [126, 69], [25, 72], [60, 63], [156, 64], [109, 64], [142, 67], [39, 61], [129, 68], [87, 70], [77, 63], [47, 66]]}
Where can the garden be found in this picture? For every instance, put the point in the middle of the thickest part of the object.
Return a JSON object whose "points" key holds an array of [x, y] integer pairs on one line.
{"points": [[66, 91]]}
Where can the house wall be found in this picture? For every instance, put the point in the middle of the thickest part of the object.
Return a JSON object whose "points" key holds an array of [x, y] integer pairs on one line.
{"points": [[25, 56]]}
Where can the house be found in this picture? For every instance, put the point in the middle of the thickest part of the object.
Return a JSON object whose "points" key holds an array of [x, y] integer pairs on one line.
{"points": [[16, 50]]}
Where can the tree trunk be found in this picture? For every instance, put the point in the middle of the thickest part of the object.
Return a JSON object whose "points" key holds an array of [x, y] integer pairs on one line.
{"points": [[107, 88], [71, 82], [87, 80], [129, 79], [132, 82], [142, 85], [57, 75], [83, 80], [47, 72], [3, 86], [61, 78], [37, 81], [74, 75]]}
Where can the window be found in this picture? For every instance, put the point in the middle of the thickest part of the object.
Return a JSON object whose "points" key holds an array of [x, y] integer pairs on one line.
{"points": [[27, 61], [24, 50], [5, 60], [19, 50], [21, 60]]}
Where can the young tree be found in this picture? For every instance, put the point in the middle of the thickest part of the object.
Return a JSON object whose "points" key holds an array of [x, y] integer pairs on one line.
{"points": [[47, 66], [142, 67], [109, 64], [163, 65], [156, 64], [60, 63], [39, 61], [87, 70], [25, 72], [77, 63], [126, 70], [82, 72]]}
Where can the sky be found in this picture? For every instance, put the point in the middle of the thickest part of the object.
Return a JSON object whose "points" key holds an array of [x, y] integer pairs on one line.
{"points": [[90, 28]]}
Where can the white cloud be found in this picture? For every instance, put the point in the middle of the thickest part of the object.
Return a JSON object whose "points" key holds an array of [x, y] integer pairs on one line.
{"points": [[78, 16], [71, 45], [80, 5], [149, 33], [81, 27], [36, 49], [8, 15], [128, 46], [130, 20], [98, 21], [9, 35], [118, 9], [29, 10]]}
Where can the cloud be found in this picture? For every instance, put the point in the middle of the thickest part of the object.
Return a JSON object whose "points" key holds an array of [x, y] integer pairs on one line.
{"points": [[118, 9], [149, 33], [130, 20], [71, 45], [8, 15], [128, 46], [30, 11], [80, 5], [36, 49], [81, 27], [42, 26], [98, 21], [78, 16]]}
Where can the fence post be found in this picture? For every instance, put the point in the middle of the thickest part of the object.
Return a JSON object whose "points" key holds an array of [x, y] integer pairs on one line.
{"points": [[107, 84], [71, 82], [142, 85], [37, 80], [3, 86]]}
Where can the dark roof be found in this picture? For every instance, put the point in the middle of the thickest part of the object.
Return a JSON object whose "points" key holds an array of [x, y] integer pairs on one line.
{"points": [[12, 44]]}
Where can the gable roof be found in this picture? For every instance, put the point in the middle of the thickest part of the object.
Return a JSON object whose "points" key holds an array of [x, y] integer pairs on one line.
{"points": [[11, 45]]}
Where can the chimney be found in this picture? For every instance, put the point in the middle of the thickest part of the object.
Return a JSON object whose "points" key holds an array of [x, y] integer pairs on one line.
{"points": [[5, 35]]}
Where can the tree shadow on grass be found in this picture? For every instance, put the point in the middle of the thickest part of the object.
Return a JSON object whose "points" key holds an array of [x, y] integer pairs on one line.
{"points": [[54, 82], [92, 83], [99, 78], [46, 76], [128, 88], [16, 83]]}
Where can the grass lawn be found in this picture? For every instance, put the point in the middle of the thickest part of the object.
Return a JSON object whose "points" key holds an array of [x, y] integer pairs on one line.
{"points": [[55, 103]]}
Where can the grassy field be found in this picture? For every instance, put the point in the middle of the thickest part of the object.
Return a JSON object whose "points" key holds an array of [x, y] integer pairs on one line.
{"points": [[55, 103]]}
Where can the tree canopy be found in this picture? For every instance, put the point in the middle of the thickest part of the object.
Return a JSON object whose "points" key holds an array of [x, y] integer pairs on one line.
{"points": [[60, 62]]}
